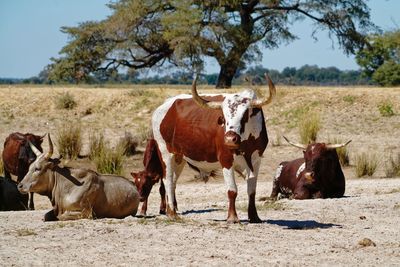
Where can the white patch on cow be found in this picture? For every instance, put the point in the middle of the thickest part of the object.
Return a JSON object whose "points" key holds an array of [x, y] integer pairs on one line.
{"points": [[278, 172], [301, 168], [233, 107], [229, 178]]}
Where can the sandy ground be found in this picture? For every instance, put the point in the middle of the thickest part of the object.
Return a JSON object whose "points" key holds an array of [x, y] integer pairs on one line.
{"points": [[294, 233]]}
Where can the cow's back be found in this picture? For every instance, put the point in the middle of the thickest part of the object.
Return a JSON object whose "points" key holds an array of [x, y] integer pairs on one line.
{"points": [[117, 197]]}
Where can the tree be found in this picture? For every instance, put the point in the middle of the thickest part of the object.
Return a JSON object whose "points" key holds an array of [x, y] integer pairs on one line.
{"points": [[380, 58], [150, 33]]}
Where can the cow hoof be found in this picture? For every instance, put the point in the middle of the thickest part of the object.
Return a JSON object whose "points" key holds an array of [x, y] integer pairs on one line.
{"points": [[162, 212], [255, 220], [232, 220]]}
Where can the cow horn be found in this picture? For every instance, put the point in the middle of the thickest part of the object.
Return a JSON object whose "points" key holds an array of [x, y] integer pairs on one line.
{"points": [[34, 149], [258, 103], [201, 101], [334, 146], [50, 153], [295, 144], [41, 138]]}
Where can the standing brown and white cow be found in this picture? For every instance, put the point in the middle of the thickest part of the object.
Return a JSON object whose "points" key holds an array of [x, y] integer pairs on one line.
{"points": [[317, 175], [211, 132], [17, 156]]}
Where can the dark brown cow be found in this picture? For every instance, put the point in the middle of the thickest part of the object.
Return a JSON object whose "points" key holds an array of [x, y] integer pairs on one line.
{"points": [[17, 156], [225, 131], [10, 197], [152, 173], [317, 175]]}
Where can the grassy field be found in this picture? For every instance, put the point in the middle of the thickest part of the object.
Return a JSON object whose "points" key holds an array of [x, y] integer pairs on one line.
{"points": [[355, 113]]}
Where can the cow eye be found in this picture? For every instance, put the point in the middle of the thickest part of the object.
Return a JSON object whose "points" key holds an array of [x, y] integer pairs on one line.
{"points": [[221, 120]]}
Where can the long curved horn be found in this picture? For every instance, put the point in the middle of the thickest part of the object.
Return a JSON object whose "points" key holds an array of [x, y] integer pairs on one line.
{"points": [[50, 153], [258, 103], [295, 144], [34, 149], [334, 146], [201, 101], [41, 138]]}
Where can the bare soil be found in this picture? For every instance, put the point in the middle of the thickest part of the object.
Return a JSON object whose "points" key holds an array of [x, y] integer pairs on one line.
{"points": [[361, 229]]}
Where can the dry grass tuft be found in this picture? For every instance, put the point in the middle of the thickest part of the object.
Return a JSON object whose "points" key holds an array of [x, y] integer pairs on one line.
{"points": [[96, 145], [65, 101], [309, 126], [128, 144], [392, 168], [366, 164], [69, 140], [109, 160], [1, 165], [25, 232], [386, 109]]}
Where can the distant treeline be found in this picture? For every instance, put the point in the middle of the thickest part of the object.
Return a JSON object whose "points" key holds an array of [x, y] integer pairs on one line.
{"points": [[305, 75]]}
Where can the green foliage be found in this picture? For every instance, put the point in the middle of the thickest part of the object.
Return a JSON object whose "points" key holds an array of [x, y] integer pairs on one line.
{"points": [[392, 168], [349, 99], [65, 101], [381, 58], [69, 140], [366, 164], [386, 109], [343, 153], [109, 161], [309, 126], [145, 34]]}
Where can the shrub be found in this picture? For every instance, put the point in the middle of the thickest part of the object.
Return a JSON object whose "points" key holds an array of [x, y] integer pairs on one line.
{"points": [[392, 169], [65, 101], [366, 164], [109, 161], [349, 99], [143, 133], [342, 152], [69, 140], [386, 109], [128, 144], [96, 145], [309, 126]]}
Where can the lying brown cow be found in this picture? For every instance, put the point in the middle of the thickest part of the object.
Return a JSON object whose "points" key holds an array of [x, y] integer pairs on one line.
{"points": [[78, 193], [152, 173], [17, 156], [317, 175]]}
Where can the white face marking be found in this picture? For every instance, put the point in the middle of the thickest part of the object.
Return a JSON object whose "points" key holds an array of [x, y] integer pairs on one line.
{"points": [[301, 168], [234, 106]]}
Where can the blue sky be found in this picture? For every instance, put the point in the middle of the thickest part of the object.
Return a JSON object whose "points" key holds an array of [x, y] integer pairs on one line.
{"points": [[30, 35]]}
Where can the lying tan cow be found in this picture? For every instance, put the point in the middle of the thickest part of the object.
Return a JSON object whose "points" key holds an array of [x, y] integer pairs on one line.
{"points": [[78, 193]]}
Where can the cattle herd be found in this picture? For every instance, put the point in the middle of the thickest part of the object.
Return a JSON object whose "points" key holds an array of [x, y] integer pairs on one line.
{"points": [[209, 133]]}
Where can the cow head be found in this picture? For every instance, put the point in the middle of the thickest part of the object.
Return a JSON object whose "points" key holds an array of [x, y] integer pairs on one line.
{"points": [[318, 158], [235, 108], [144, 182], [35, 180], [25, 152]]}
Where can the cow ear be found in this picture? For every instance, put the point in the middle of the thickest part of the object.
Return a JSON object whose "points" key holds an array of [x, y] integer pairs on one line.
{"points": [[221, 120]]}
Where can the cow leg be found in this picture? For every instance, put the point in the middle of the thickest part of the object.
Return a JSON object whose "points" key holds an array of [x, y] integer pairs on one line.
{"points": [[251, 190], [31, 204], [275, 183], [143, 210], [170, 188], [163, 203], [229, 178]]}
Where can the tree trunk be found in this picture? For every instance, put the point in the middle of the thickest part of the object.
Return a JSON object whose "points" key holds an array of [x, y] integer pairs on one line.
{"points": [[225, 76]]}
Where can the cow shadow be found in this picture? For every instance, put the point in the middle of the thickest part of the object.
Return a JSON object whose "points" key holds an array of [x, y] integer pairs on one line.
{"points": [[199, 211], [302, 225]]}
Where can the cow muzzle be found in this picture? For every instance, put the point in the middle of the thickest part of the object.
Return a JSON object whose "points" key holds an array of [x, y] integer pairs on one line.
{"points": [[22, 189], [232, 140], [309, 177]]}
